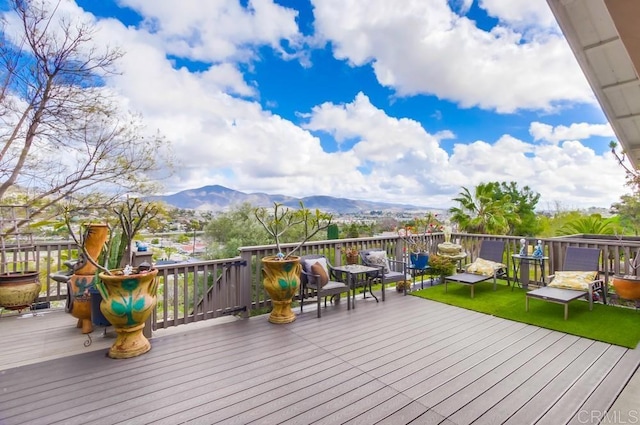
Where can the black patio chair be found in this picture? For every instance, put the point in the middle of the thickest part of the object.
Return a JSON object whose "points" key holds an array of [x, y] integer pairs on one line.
{"points": [[396, 272], [311, 280]]}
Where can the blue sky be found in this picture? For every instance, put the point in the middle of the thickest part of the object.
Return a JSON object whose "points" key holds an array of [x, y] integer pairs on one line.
{"points": [[362, 98]]}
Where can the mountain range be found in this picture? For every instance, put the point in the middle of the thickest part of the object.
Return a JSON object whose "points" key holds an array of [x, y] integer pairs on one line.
{"points": [[220, 198]]}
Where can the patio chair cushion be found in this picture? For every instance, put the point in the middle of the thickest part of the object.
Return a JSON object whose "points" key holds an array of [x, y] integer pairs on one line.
{"points": [[484, 267], [321, 272], [379, 258], [332, 284], [573, 280], [308, 266]]}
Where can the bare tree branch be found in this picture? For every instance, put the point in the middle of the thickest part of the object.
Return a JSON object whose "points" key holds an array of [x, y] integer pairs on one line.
{"points": [[61, 130]]}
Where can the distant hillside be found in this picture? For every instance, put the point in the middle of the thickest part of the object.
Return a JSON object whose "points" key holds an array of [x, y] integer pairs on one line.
{"points": [[220, 198]]}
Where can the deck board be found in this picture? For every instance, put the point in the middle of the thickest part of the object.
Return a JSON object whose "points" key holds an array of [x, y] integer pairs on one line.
{"points": [[499, 388], [405, 360], [604, 394]]}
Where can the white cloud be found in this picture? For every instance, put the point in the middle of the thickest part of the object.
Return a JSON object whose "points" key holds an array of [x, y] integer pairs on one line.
{"points": [[219, 138], [425, 48], [218, 30], [408, 161], [570, 173], [576, 131], [382, 140], [520, 13]]}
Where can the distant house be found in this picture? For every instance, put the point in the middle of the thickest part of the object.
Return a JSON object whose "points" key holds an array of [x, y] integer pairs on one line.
{"points": [[190, 249]]}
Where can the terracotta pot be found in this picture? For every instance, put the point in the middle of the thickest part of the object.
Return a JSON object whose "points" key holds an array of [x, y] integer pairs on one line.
{"points": [[81, 309], [627, 288], [94, 239], [127, 302], [281, 279], [83, 277], [19, 290], [79, 286]]}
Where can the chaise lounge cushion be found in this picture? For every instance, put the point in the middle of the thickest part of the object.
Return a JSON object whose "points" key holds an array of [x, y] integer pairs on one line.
{"points": [[484, 267], [573, 280]]}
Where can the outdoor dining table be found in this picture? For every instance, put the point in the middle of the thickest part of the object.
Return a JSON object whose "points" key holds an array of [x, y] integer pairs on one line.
{"points": [[352, 271]]}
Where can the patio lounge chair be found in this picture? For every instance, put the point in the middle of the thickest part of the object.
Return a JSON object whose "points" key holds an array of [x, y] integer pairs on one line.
{"points": [[578, 278], [390, 270], [318, 279], [493, 251], [487, 266]]}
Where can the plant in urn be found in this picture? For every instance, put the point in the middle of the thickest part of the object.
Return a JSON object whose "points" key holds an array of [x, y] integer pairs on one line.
{"points": [[128, 299], [281, 272]]}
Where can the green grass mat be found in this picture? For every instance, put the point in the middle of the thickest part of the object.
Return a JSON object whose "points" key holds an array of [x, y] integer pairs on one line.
{"points": [[606, 323]]}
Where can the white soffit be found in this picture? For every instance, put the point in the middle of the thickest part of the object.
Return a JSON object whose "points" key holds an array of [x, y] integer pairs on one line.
{"points": [[605, 38]]}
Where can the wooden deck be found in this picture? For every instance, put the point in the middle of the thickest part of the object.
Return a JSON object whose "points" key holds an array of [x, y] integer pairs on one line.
{"points": [[407, 360]]}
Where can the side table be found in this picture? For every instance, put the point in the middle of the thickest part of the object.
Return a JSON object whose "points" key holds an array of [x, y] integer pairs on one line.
{"points": [[352, 271], [519, 260]]}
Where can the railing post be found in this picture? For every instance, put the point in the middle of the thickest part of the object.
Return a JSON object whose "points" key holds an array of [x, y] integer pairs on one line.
{"points": [[337, 260], [399, 250], [245, 283], [147, 331]]}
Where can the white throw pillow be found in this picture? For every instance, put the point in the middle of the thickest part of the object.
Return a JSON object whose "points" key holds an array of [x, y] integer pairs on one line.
{"points": [[379, 258]]}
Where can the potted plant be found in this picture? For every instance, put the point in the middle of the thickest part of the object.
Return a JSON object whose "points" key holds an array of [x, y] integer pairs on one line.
{"points": [[351, 255], [416, 240], [441, 266], [628, 286], [400, 285], [281, 272], [84, 277], [128, 294], [19, 279]]}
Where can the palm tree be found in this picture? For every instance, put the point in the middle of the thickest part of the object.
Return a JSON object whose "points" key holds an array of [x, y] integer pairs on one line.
{"points": [[591, 225], [482, 212]]}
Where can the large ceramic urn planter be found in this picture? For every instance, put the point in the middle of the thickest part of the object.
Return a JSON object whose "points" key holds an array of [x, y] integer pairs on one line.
{"points": [[18, 290], [127, 302], [281, 279], [627, 288], [83, 278]]}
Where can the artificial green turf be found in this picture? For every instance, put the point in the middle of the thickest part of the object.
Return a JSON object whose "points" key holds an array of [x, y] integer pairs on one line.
{"points": [[606, 323]]}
